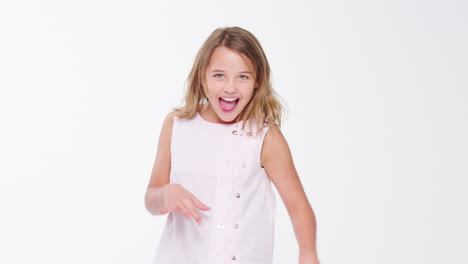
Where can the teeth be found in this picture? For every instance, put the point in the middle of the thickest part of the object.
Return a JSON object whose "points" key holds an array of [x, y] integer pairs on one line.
{"points": [[229, 99]]}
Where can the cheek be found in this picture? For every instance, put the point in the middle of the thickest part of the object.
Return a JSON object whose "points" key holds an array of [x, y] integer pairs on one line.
{"points": [[247, 89], [213, 87]]}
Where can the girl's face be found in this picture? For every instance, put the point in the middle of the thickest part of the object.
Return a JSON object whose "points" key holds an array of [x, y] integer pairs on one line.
{"points": [[228, 76]]}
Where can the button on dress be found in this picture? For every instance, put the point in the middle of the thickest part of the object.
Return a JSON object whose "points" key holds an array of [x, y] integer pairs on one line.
{"points": [[220, 165]]}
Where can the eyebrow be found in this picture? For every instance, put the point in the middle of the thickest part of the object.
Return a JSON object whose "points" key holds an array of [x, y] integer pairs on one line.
{"points": [[223, 71]]}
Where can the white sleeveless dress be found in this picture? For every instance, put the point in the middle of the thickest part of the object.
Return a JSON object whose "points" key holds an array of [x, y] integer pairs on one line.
{"points": [[222, 169]]}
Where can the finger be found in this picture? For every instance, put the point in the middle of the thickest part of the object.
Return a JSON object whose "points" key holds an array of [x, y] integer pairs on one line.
{"points": [[185, 211], [199, 204], [172, 209], [166, 210], [188, 216], [193, 211]]}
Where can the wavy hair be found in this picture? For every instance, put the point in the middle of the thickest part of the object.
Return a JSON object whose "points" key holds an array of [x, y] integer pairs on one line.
{"points": [[264, 106]]}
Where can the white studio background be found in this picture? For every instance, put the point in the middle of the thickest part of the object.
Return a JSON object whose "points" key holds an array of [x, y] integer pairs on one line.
{"points": [[376, 120]]}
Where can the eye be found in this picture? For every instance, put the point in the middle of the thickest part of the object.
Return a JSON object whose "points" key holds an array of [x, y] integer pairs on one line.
{"points": [[216, 75], [246, 77]]}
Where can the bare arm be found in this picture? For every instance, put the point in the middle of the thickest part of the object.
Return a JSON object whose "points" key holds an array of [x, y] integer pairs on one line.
{"points": [[278, 163], [161, 169]]}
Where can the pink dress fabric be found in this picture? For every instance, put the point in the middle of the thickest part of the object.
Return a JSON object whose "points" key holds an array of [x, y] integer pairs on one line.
{"points": [[223, 171]]}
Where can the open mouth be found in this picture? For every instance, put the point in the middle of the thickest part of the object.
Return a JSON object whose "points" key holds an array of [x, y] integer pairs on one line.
{"points": [[228, 105]]}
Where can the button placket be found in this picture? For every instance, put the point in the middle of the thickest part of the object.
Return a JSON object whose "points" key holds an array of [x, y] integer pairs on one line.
{"points": [[234, 224], [221, 255], [235, 216]]}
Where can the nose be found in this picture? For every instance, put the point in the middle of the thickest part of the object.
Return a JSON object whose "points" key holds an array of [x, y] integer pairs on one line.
{"points": [[230, 86]]}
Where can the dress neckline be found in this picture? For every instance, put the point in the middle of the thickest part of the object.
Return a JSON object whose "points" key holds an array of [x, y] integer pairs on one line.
{"points": [[214, 124]]}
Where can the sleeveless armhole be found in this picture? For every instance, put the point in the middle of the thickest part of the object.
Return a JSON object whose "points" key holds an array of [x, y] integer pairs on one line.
{"points": [[260, 145], [172, 176], [172, 134]]}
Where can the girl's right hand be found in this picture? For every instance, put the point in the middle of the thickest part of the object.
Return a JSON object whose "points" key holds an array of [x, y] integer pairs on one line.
{"points": [[176, 197]]}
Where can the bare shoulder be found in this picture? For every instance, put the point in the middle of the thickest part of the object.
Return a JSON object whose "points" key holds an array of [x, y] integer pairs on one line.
{"points": [[161, 168], [166, 130], [168, 121], [274, 144]]}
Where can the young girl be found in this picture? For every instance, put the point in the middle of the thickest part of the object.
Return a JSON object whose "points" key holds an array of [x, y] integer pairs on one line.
{"points": [[213, 173]]}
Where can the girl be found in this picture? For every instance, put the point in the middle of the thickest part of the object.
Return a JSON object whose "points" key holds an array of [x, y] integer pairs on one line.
{"points": [[213, 175]]}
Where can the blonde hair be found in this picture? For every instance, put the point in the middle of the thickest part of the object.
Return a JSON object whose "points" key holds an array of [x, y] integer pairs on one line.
{"points": [[264, 105]]}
